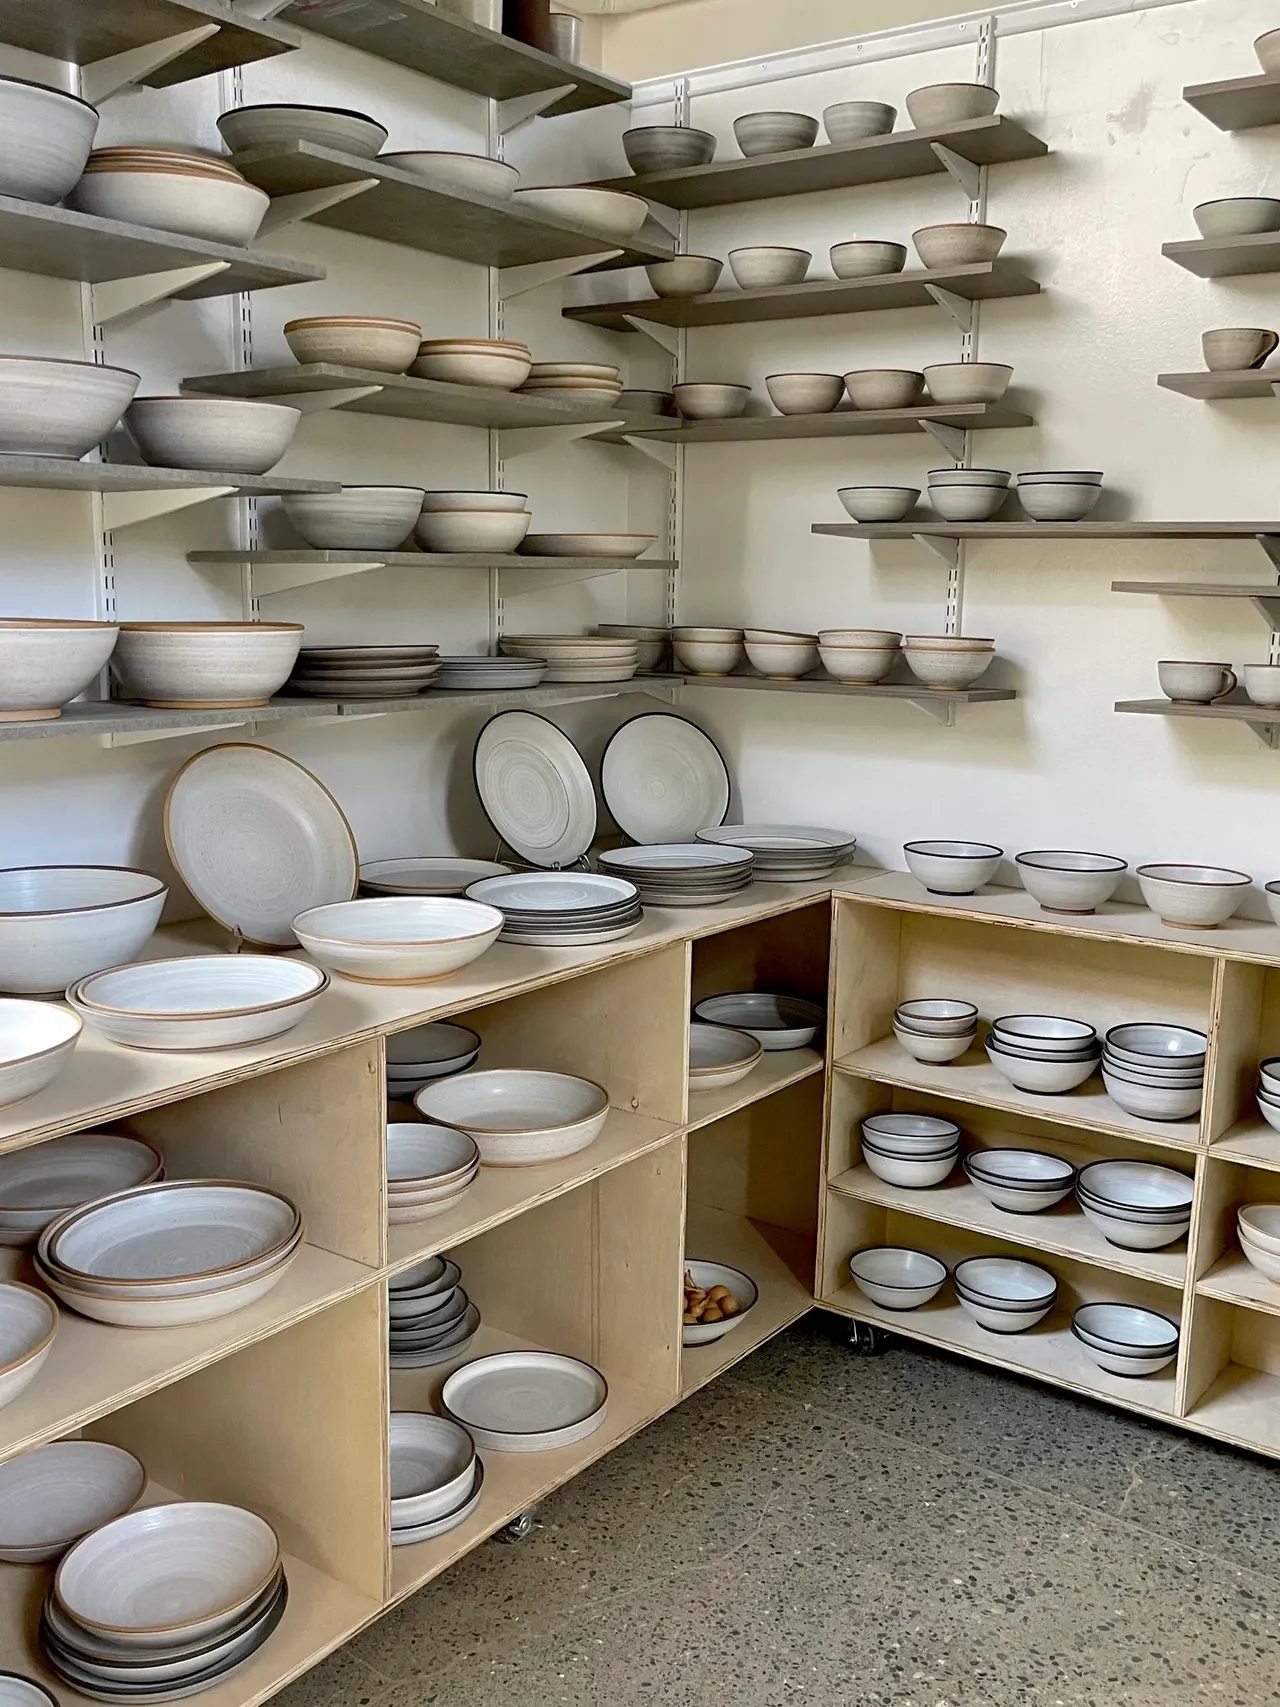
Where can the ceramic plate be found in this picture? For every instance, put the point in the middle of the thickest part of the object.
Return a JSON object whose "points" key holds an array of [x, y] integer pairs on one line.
{"points": [[526, 1401], [53, 1495], [403, 1535], [444, 876], [570, 892], [186, 1229], [535, 788], [664, 779], [257, 839], [790, 844]]}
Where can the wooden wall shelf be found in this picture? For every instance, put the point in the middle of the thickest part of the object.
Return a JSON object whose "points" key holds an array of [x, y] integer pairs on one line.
{"points": [[1224, 384], [1046, 530], [939, 703], [983, 282], [1240, 710], [1240, 103], [56, 474], [1267, 598], [85, 31], [285, 558], [1226, 257], [840, 424]]}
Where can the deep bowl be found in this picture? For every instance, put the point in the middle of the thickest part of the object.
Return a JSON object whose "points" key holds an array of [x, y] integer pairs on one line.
{"points": [[744, 1290], [519, 1118], [939, 104], [864, 258], [232, 435], [1193, 897], [944, 1016], [667, 147], [855, 121], [1045, 1034], [50, 407], [1063, 881], [398, 939], [685, 275], [358, 518], [1041, 1077], [952, 868], [61, 922], [189, 665], [774, 133], [45, 138], [897, 1278], [45, 662]]}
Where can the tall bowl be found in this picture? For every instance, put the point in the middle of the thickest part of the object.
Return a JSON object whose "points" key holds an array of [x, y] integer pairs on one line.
{"points": [[188, 666], [50, 407], [45, 138], [46, 662], [61, 922]]}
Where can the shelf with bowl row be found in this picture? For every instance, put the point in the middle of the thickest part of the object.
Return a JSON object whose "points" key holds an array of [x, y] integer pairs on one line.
{"points": [[405, 209], [1226, 257], [937, 702], [983, 281], [1221, 384], [837, 166], [1237, 103], [837, 424], [1235, 708], [933, 528], [281, 570]]}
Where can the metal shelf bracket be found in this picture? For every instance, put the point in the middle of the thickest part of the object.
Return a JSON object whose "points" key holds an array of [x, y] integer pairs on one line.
{"points": [[941, 712], [667, 219], [965, 173], [306, 204], [952, 439], [657, 450], [521, 110], [517, 281], [958, 307], [523, 441], [106, 77], [137, 737], [941, 545], [666, 337], [113, 299], [127, 509], [270, 579]]}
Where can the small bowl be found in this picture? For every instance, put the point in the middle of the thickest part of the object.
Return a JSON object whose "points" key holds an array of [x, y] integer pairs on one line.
{"points": [[804, 393], [745, 1293], [943, 1016], [1063, 881], [685, 275], [1004, 1294], [1260, 1224], [938, 1050], [938, 668], [855, 121], [1057, 500], [897, 1278], [912, 1173], [884, 388], [667, 148], [765, 267], [774, 133], [866, 258], [1192, 897], [941, 247], [363, 341], [939, 104], [703, 400], [967, 382], [952, 868], [879, 503], [966, 503], [1237, 216]]}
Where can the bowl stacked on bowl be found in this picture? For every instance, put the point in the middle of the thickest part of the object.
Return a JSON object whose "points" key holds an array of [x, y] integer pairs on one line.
{"points": [[428, 1169], [708, 651], [561, 909], [28, 1323], [1258, 1229], [435, 1051], [163, 1602], [1125, 1339], [1044, 1053], [935, 1028], [356, 518], [781, 654], [198, 1001], [859, 654], [1004, 1294], [576, 382], [364, 672], [1139, 1206], [968, 494], [183, 190], [1269, 1091], [454, 523], [682, 874], [526, 1401], [431, 1318], [911, 1150], [436, 1476], [719, 1056], [896, 1277], [39, 1184], [785, 853], [171, 1254], [776, 1022], [499, 364], [518, 1117], [577, 657], [398, 939], [354, 340], [1155, 1071], [1024, 1182], [653, 642], [1059, 494], [52, 1495], [947, 661]]}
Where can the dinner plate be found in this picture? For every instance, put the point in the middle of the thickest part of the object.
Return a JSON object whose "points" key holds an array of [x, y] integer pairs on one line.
{"points": [[664, 779], [434, 876], [452, 1346], [528, 674], [408, 1535], [535, 788], [782, 843], [552, 893], [257, 839], [685, 859], [526, 1401]]}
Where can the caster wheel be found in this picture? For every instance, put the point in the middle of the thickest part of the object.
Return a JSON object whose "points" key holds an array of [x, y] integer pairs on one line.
{"points": [[520, 1528], [868, 1341]]}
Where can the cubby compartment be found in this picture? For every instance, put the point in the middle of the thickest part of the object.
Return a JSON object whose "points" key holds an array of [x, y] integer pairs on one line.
{"points": [[1221, 1268], [1232, 1379], [1247, 1034]]}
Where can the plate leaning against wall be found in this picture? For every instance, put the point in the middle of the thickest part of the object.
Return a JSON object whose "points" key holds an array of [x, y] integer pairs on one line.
{"points": [[535, 789], [664, 779]]}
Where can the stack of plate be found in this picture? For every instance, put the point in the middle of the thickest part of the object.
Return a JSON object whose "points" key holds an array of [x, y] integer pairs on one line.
{"points": [[719, 1056], [786, 853], [39, 1184], [436, 1477], [578, 657], [483, 674], [576, 382], [550, 909], [526, 1401], [164, 1602], [428, 1169], [432, 1319], [428, 1052], [437, 875], [682, 874], [167, 1255], [364, 672]]}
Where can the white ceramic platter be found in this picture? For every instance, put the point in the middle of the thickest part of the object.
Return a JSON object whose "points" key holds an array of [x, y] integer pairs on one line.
{"points": [[53, 1495], [258, 840], [664, 779], [526, 1401], [40, 1183], [535, 788], [427, 876], [554, 893]]}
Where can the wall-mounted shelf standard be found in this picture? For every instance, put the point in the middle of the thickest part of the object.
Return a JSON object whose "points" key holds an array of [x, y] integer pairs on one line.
{"points": [[983, 282], [1266, 598], [1226, 257], [1225, 383], [404, 209], [836, 166], [1240, 103], [88, 32], [417, 34]]}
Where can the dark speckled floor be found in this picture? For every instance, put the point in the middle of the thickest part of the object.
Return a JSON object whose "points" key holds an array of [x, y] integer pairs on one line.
{"points": [[908, 1531]]}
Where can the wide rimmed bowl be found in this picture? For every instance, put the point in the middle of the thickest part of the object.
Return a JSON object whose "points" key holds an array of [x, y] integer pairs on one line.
{"points": [[442, 874], [45, 138], [54, 1494], [433, 1467], [457, 174], [741, 1287], [46, 661], [44, 1181], [28, 1323], [199, 1001], [526, 1401], [608, 213], [36, 1041], [1004, 1294], [719, 1056], [1025, 1182], [210, 665], [354, 340], [1064, 881], [359, 518], [1126, 1339], [952, 868], [51, 407], [423, 1155], [400, 939], [896, 1277], [519, 1118], [61, 922], [1193, 897], [268, 124], [233, 435], [433, 1051], [190, 202], [667, 147], [776, 1022]]}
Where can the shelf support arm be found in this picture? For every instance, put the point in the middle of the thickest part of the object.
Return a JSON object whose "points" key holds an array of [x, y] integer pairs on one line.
{"points": [[517, 281], [941, 545], [666, 337], [306, 204], [521, 110], [523, 441], [113, 299], [1270, 608], [106, 77], [965, 173], [958, 307], [657, 450], [943, 712], [952, 439], [316, 402], [127, 509]]}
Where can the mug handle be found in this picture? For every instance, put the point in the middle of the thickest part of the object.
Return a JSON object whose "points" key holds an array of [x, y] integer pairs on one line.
{"points": [[1232, 683], [1270, 350]]}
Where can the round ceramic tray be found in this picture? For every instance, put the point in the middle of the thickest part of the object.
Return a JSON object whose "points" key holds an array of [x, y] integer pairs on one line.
{"points": [[664, 779], [535, 789], [526, 1401]]}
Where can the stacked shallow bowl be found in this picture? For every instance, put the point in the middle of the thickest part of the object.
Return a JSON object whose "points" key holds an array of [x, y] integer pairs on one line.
{"points": [[428, 1169], [1004, 1294], [173, 189], [551, 909], [948, 662], [526, 1401], [364, 672], [436, 1476], [968, 494], [432, 1319], [682, 874], [39, 1184], [171, 1254], [460, 522], [1023, 1182], [498, 364], [576, 382], [1044, 1053], [785, 853], [910, 1150], [519, 1117], [1155, 1071], [482, 674], [428, 1052], [720, 1056], [1136, 1205], [1258, 1229], [937, 1029], [1124, 1339], [578, 657]]}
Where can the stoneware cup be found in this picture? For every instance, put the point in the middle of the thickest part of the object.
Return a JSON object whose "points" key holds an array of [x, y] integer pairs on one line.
{"points": [[1188, 683], [1262, 683], [1231, 349]]}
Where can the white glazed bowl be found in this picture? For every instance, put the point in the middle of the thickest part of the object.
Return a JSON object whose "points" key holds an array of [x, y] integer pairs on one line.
{"points": [[355, 340], [911, 1134], [431, 1051], [1058, 500], [1043, 1078], [1125, 1339], [45, 138], [939, 104], [457, 174], [706, 400], [765, 267], [196, 204], [192, 664], [1004, 1294], [496, 369], [782, 660], [519, 1118], [685, 275], [774, 133], [224, 434], [923, 1047], [422, 1156], [1260, 1224], [266, 125], [865, 258], [46, 662], [956, 245], [44, 1181], [912, 1173], [508, 503], [967, 503], [36, 1042], [1024, 1182], [952, 868], [54, 1494], [854, 121], [1237, 216], [28, 1322], [667, 147], [720, 1056], [897, 1278], [433, 1467], [708, 652], [50, 407], [1195, 897], [61, 922], [884, 388], [1145, 1188], [449, 531], [608, 213], [1133, 1235], [709, 1274], [359, 518], [942, 1016], [858, 663], [967, 382], [1145, 1043], [939, 668], [1266, 1262], [804, 393], [203, 1001], [1063, 881], [1045, 1034], [879, 503], [400, 939], [1149, 1102]]}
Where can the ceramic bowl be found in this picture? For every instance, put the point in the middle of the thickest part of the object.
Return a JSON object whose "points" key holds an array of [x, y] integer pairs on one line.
{"points": [[701, 400], [359, 518], [466, 175], [970, 477], [193, 664], [44, 1181], [884, 388], [967, 382], [182, 201], [28, 1323], [782, 660], [450, 531], [1267, 48], [954, 245], [1149, 1102], [1266, 1262], [400, 939], [496, 366], [1133, 1235], [776, 1022], [1262, 684], [52, 1495], [605, 213], [685, 275], [1023, 1182], [924, 1046], [941, 1016], [939, 668], [1152, 1043], [1145, 1188], [519, 1118], [956, 502], [1041, 1077], [1234, 349], [854, 121], [432, 1051], [865, 258], [61, 922], [1125, 1339], [1193, 897], [508, 503], [203, 1001], [897, 1278], [1004, 1294], [864, 664], [706, 1275], [804, 393], [952, 868], [720, 1056], [1260, 1223], [50, 407], [1237, 216], [422, 1155], [911, 1134], [912, 1173], [433, 1467], [1057, 501], [355, 340], [45, 138], [708, 652], [1045, 1034], [765, 267], [226, 434], [1063, 881], [267, 125], [46, 662], [667, 147], [879, 503], [774, 133], [939, 104]]}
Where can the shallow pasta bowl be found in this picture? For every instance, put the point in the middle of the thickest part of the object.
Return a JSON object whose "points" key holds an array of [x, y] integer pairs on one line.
{"points": [[36, 1042], [433, 1467], [421, 1154], [28, 1322], [44, 1181], [51, 1496], [202, 1001], [518, 1117], [776, 1022], [611, 213], [398, 939], [719, 1056]]}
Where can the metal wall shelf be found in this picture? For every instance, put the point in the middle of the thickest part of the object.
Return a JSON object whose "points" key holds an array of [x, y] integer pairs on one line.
{"points": [[1224, 383], [1227, 257], [839, 424], [1241, 103], [87, 32]]}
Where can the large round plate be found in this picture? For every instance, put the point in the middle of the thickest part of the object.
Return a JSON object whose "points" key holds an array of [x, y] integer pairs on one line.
{"points": [[526, 1401], [570, 892], [257, 839], [429, 876], [784, 844], [535, 788], [664, 779]]}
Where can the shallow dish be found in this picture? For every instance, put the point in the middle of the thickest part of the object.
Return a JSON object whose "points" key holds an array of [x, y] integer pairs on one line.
{"points": [[663, 778], [51, 407], [526, 1401], [535, 789], [400, 939], [465, 175], [54, 1494], [28, 1323], [61, 922], [628, 545], [706, 1275], [519, 1118], [719, 1056], [44, 1181], [233, 434], [422, 1154], [952, 868], [1063, 881], [897, 1278], [194, 1002], [433, 1467], [431, 1051], [776, 1022], [436, 875], [36, 1041]]}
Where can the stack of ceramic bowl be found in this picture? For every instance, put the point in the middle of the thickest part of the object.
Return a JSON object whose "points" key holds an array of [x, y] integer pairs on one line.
{"points": [[576, 382], [52, 1495], [781, 654], [1044, 1053], [1024, 1182], [39, 1184], [653, 643], [431, 1318], [1059, 495], [526, 1401], [428, 1169], [354, 340], [968, 494], [785, 853], [776, 1022], [948, 661], [364, 672], [498, 364], [896, 1277], [861, 655], [682, 874], [1258, 1229], [182, 190], [577, 657], [1269, 1091], [164, 1256], [935, 1028], [436, 1477], [483, 674], [1004, 1294], [519, 1117], [1124, 1339], [719, 1056], [911, 1150], [1155, 1071], [1136, 1205], [163, 1602], [554, 909], [464, 522], [428, 1052]]}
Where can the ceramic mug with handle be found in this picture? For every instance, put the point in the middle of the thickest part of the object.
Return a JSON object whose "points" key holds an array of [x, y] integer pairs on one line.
{"points": [[1189, 683], [1232, 349]]}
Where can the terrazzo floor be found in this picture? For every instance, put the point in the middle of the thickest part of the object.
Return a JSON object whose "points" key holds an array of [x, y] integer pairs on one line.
{"points": [[906, 1531]]}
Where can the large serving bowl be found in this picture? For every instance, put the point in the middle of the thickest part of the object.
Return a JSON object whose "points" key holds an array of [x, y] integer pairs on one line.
{"points": [[1004, 1294], [607, 213], [54, 1494], [711, 400], [457, 174], [401, 939], [519, 1118], [61, 922], [1067, 882], [189, 665], [854, 121], [1125, 1339], [1023, 1182], [233, 435], [740, 1286], [952, 868], [499, 364], [667, 147], [45, 138], [766, 266], [359, 518], [50, 407], [354, 340], [190, 202], [44, 1181], [897, 1278], [957, 245], [46, 661], [939, 104], [36, 1041], [28, 1322], [199, 1001], [1194, 897], [328, 127]]}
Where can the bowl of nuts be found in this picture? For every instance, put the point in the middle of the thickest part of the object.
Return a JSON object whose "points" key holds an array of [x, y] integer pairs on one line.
{"points": [[716, 1299]]}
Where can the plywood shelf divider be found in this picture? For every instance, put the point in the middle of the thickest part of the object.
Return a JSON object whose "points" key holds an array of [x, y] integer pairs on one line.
{"points": [[1238, 1282], [780, 1262], [1250, 1141], [778, 1070], [1237, 103]]}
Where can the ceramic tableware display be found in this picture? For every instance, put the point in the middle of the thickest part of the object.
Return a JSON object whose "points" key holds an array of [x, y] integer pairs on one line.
{"points": [[1064, 881], [28, 1323], [915, 1151], [358, 518], [1193, 897], [482, 674], [720, 1057], [497, 364], [198, 1001], [1268, 1092], [1044, 1053], [463, 532], [40, 1183], [53, 1495], [526, 1401], [682, 874], [46, 661], [45, 138], [1139, 1206], [180, 190], [804, 393], [653, 642], [535, 789], [36, 1042], [884, 388], [436, 1476], [519, 1118], [204, 666], [51, 407], [1022, 1182], [258, 839], [267, 125], [1059, 495], [431, 1318], [939, 104], [61, 922], [663, 778], [1004, 1294], [429, 1168], [952, 868], [612, 214], [235, 435], [708, 1314], [1154, 1070], [354, 340], [398, 939], [776, 1022], [625, 545], [786, 853], [948, 662], [577, 658], [364, 672], [1125, 1339], [897, 1278], [552, 909], [667, 147]]}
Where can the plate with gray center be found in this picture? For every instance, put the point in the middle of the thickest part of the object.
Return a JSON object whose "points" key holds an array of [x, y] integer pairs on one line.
{"points": [[435, 875], [664, 779], [526, 1401]]}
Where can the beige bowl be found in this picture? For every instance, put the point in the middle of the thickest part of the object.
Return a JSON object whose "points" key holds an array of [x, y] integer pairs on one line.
{"points": [[767, 267], [873, 637], [957, 245], [967, 382], [805, 393], [939, 104], [783, 660], [497, 531], [187, 666], [866, 258], [685, 275], [500, 368], [884, 388], [946, 668], [706, 401], [859, 664], [44, 662], [357, 340], [223, 434], [708, 651], [188, 201]]}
